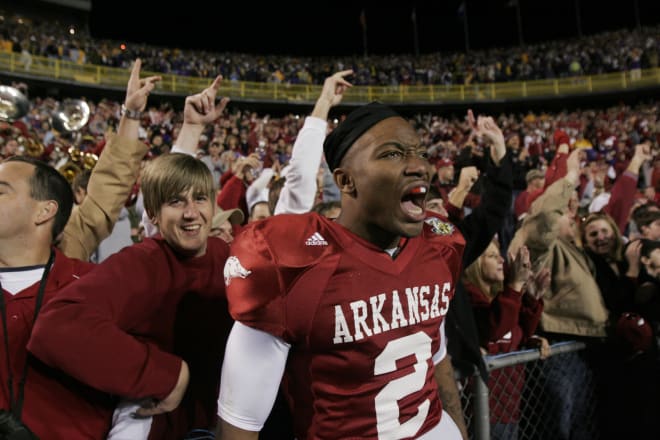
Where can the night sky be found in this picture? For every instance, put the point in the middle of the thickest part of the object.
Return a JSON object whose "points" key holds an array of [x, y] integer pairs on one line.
{"points": [[324, 28]]}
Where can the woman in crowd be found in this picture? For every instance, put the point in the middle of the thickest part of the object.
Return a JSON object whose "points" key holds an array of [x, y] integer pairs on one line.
{"points": [[507, 309]]}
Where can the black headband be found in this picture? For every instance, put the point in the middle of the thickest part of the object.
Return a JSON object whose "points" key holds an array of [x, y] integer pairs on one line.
{"points": [[348, 131]]}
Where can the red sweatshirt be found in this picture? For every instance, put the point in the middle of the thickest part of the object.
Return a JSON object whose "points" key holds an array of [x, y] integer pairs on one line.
{"points": [[114, 329], [48, 395]]}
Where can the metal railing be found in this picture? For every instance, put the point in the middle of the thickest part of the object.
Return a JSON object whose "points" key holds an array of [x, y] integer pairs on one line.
{"points": [[102, 76], [527, 398]]}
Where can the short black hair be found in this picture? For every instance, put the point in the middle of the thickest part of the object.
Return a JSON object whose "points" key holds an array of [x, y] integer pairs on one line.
{"points": [[48, 184], [645, 214], [648, 246]]}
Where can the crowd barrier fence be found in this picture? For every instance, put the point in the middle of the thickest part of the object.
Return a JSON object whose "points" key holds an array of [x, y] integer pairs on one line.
{"points": [[531, 399]]}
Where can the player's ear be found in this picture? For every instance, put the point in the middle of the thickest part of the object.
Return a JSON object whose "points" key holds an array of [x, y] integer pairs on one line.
{"points": [[344, 180]]}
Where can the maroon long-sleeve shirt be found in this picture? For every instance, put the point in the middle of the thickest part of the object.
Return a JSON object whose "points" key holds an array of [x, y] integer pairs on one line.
{"points": [[113, 330]]}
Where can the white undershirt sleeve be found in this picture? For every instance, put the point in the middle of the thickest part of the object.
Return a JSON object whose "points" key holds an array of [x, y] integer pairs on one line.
{"points": [[442, 351], [299, 190], [251, 375]]}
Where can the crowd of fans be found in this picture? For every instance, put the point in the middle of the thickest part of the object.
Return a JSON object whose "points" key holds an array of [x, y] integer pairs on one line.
{"points": [[579, 229], [607, 134], [606, 52], [243, 146]]}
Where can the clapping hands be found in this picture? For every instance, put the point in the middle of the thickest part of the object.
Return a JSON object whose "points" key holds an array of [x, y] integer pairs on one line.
{"points": [[520, 269], [538, 283]]}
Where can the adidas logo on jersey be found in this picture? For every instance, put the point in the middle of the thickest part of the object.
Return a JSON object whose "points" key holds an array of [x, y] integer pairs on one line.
{"points": [[316, 240]]}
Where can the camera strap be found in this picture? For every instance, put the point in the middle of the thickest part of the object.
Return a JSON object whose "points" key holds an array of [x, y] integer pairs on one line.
{"points": [[16, 406]]}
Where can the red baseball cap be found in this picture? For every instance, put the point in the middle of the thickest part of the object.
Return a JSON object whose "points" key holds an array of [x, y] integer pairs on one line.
{"points": [[634, 333]]}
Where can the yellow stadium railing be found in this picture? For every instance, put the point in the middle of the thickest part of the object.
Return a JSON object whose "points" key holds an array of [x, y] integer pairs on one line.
{"points": [[101, 76]]}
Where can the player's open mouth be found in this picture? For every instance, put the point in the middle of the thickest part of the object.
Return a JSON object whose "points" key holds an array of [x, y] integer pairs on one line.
{"points": [[413, 202]]}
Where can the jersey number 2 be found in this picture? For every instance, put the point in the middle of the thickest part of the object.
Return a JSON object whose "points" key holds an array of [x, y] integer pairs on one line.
{"points": [[387, 406]]}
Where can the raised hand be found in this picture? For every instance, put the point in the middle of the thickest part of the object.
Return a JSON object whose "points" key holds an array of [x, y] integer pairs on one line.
{"points": [[335, 86], [468, 176], [642, 154], [243, 165], [486, 127], [573, 166], [137, 90], [201, 108], [332, 93], [466, 179]]}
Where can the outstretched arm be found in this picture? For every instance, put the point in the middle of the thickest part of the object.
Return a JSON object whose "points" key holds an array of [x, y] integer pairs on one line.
{"points": [[332, 93], [299, 189], [623, 190], [466, 180], [487, 218], [485, 127], [541, 228], [112, 178]]}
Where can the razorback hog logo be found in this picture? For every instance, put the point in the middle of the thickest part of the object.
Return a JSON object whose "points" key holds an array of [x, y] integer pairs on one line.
{"points": [[233, 269]]}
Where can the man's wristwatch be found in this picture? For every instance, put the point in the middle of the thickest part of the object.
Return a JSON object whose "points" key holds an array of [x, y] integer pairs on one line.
{"points": [[131, 114]]}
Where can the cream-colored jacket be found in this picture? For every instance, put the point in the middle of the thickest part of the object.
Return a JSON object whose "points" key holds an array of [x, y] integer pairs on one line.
{"points": [[109, 187], [573, 304]]}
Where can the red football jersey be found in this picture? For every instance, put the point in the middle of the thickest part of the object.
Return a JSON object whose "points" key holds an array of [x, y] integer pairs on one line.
{"points": [[363, 327]]}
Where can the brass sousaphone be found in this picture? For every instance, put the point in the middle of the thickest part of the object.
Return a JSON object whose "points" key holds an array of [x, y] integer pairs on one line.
{"points": [[69, 118], [14, 105]]}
